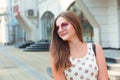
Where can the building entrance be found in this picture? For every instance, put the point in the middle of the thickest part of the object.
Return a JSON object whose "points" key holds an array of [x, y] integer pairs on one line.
{"points": [[86, 26]]}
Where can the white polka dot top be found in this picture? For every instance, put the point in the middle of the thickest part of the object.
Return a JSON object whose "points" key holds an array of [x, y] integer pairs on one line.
{"points": [[83, 68]]}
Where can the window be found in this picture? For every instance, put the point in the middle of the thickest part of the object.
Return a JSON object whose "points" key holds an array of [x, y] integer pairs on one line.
{"points": [[87, 28]]}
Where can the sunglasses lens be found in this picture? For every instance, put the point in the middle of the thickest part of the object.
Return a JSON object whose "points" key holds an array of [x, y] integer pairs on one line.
{"points": [[63, 26]]}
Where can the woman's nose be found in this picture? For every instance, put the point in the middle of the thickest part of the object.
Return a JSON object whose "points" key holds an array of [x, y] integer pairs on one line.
{"points": [[60, 29]]}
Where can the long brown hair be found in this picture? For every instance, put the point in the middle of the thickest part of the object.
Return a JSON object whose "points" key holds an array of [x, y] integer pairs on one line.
{"points": [[59, 48]]}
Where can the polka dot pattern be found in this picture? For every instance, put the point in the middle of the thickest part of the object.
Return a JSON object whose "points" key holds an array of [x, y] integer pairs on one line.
{"points": [[83, 68]]}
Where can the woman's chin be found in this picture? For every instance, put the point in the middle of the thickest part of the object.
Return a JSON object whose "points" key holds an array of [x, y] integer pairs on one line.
{"points": [[64, 38]]}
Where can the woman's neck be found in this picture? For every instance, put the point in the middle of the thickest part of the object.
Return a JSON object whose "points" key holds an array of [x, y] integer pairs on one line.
{"points": [[76, 47], [75, 43]]}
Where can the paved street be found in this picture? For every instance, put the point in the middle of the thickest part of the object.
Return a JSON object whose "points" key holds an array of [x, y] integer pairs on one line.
{"points": [[16, 64]]}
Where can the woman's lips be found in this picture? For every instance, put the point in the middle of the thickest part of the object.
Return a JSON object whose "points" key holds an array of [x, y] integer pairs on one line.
{"points": [[62, 34]]}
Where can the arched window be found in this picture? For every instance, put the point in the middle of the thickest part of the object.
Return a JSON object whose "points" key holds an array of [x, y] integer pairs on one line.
{"points": [[47, 21]]}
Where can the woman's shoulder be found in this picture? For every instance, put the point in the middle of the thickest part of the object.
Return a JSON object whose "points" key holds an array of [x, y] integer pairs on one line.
{"points": [[98, 46], [99, 50]]}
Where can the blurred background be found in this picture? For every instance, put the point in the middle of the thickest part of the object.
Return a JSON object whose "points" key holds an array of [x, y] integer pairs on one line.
{"points": [[28, 20], [27, 24]]}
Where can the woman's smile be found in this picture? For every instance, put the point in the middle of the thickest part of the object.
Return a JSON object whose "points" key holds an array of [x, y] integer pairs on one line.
{"points": [[62, 34]]}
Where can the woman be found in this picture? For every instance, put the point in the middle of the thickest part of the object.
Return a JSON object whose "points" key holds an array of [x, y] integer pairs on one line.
{"points": [[71, 57]]}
